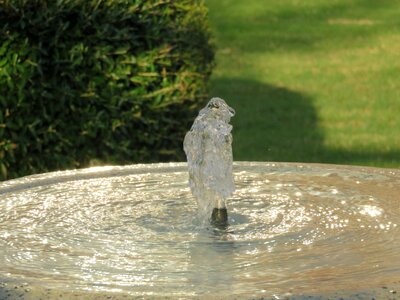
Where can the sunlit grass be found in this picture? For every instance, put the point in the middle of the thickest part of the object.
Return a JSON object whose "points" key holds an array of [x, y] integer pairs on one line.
{"points": [[316, 81]]}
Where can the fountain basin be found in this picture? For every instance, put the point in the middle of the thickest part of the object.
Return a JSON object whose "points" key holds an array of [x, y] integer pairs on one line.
{"points": [[295, 230]]}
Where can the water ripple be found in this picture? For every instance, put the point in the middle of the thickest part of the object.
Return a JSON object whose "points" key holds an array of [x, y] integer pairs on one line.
{"points": [[308, 227]]}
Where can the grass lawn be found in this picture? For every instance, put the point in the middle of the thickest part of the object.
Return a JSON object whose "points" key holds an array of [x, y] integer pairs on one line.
{"points": [[311, 81]]}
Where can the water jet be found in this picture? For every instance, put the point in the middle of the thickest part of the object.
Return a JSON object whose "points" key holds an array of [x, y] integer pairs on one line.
{"points": [[208, 147]]}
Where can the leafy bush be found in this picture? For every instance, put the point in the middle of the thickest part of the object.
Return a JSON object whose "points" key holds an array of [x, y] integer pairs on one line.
{"points": [[116, 81]]}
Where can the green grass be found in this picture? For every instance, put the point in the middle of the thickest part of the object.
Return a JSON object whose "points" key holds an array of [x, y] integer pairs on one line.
{"points": [[311, 81]]}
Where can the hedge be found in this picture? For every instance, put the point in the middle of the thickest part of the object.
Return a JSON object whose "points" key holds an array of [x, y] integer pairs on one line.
{"points": [[115, 81]]}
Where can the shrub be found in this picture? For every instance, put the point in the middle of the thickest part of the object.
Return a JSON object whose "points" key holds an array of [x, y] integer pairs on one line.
{"points": [[116, 81]]}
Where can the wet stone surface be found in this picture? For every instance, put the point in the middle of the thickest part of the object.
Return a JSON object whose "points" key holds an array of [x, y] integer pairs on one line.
{"points": [[25, 292]]}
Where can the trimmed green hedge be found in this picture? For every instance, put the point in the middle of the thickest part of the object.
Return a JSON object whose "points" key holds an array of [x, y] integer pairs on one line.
{"points": [[114, 81]]}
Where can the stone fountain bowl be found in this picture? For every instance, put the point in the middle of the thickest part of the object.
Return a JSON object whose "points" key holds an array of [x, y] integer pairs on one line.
{"points": [[296, 231]]}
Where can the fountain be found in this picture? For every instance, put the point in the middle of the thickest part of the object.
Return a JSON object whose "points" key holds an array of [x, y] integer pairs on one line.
{"points": [[294, 230], [208, 147]]}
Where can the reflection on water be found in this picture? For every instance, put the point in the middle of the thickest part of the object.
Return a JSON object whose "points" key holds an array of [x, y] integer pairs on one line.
{"points": [[310, 228]]}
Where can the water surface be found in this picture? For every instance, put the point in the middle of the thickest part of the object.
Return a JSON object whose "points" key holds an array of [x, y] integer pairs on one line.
{"points": [[294, 229]]}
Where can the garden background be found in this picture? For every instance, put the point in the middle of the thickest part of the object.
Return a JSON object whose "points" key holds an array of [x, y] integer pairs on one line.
{"points": [[99, 82], [311, 81]]}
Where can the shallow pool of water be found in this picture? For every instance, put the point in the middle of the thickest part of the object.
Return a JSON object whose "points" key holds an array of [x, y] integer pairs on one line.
{"points": [[294, 229]]}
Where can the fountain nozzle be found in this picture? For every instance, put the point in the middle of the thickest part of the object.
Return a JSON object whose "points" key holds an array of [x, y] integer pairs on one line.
{"points": [[219, 217]]}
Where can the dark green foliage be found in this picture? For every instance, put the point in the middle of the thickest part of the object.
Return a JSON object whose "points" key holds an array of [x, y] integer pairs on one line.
{"points": [[111, 80]]}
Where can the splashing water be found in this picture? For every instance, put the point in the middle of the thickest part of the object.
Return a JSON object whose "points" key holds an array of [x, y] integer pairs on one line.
{"points": [[208, 147]]}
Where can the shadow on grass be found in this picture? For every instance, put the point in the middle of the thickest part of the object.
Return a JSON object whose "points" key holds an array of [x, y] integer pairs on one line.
{"points": [[274, 123], [277, 124]]}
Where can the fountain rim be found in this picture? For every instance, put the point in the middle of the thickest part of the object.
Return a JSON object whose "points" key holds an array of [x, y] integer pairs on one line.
{"points": [[55, 177]]}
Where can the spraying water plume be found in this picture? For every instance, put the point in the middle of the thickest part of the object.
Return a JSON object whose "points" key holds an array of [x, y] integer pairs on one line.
{"points": [[208, 147]]}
